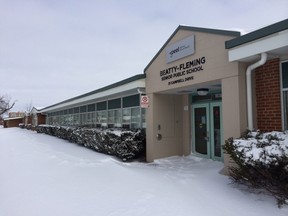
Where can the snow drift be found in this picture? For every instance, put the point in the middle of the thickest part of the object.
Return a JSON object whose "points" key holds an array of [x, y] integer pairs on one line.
{"points": [[45, 176]]}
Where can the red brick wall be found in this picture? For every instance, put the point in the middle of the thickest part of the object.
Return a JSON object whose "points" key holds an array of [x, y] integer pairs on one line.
{"points": [[268, 97], [12, 122], [41, 119]]}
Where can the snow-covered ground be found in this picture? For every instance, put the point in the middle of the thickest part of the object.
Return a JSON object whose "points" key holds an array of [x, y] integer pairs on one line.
{"points": [[41, 175]]}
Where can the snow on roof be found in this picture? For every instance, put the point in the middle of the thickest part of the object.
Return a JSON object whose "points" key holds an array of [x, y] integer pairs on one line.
{"points": [[7, 119], [36, 109]]}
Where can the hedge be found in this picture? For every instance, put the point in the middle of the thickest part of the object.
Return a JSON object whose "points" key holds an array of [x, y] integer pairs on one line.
{"points": [[262, 162], [122, 143]]}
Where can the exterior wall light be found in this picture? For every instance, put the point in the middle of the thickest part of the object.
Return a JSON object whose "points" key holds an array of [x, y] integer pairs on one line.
{"points": [[202, 91]]}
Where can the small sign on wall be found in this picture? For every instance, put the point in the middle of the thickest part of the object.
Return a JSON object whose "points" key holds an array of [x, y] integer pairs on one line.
{"points": [[144, 103], [180, 49]]}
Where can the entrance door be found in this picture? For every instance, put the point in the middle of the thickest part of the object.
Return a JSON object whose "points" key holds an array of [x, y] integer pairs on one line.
{"points": [[207, 130]]}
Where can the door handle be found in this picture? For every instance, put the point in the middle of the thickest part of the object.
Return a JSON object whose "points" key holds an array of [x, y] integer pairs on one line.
{"points": [[207, 136]]}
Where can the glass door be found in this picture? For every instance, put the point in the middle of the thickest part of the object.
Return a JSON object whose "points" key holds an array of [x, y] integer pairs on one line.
{"points": [[216, 130], [201, 130], [207, 130]]}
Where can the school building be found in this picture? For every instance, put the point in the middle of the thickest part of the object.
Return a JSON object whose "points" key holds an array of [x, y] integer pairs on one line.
{"points": [[202, 87]]}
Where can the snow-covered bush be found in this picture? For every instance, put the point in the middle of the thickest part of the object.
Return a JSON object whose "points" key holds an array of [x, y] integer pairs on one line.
{"points": [[262, 162], [123, 143]]}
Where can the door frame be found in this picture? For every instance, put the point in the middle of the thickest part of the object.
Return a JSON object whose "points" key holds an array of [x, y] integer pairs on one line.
{"points": [[210, 127], [214, 104], [206, 106]]}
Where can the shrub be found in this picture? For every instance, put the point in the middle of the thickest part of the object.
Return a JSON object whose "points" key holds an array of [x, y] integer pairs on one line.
{"points": [[262, 162], [122, 143]]}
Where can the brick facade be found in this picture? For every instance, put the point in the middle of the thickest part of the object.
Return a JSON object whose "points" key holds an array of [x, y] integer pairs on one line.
{"points": [[268, 97], [41, 119], [12, 122]]}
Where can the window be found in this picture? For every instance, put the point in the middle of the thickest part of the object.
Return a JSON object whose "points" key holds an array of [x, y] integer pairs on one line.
{"points": [[91, 118], [110, 117], [70, 120], [61, 120], [65, 120], [135, 117], [114, 118], [83, 109], [118, 112], [54, 120], [76, 119], [131, 101], [131, 117], [71, 111], [91, 107], [143, 117], [83, 118], [284, 76], [114, 104], [76, 110], [285, 111], [101, 118], [101, 106], [117, 118], [126, 118]]}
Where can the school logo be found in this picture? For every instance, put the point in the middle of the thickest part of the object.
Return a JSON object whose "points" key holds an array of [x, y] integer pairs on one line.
{"points": [[180, 49]]}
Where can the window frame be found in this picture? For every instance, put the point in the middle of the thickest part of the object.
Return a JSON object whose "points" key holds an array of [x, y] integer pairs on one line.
{"points": [[103, 113], [282, 90]]}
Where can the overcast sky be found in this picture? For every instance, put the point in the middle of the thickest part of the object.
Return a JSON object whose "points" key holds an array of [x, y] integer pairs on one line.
{"points": [[52, 50]]}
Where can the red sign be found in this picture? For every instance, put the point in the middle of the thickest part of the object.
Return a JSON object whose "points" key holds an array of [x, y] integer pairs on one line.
{"points": [[144, 101]]}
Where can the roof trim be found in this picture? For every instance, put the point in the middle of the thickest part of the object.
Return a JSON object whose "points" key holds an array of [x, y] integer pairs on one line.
{"points": [[260, 33], [12, 118], [114, 85], [196, 29]]}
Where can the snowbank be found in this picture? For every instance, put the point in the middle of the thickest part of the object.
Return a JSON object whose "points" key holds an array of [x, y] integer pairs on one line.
{"points": [[43, 175]]}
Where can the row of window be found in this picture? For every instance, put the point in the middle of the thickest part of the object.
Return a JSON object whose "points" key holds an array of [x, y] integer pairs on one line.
{"points": [[125, 102], [133, 117]]}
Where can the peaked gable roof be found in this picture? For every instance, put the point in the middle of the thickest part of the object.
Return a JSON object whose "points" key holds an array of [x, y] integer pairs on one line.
{"points": [[195, 29]]}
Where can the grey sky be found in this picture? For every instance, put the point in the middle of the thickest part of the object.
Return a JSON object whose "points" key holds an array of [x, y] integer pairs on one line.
{"points": [[52, 50]]}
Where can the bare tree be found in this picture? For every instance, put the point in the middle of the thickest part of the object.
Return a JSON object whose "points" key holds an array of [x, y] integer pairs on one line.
{"points": [[29, 107], [5, 104]]}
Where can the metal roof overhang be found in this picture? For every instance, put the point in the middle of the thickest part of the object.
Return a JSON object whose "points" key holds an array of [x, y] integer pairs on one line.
{"points": [[272, 39], [125, 88], [276, 45]]}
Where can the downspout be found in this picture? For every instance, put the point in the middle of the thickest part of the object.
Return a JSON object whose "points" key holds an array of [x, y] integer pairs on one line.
{"points": [[249, 70]]}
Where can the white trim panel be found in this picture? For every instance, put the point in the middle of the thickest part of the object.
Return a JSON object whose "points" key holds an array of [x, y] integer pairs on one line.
{"points": [[267, 44]]}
